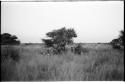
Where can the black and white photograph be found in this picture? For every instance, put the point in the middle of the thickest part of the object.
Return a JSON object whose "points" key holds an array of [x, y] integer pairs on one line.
{"points": [[62, 40], [56, 0]]}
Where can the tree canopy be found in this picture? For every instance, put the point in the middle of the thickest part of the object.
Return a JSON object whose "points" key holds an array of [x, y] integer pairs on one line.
{"points": [[60, 38], [7, 38]]}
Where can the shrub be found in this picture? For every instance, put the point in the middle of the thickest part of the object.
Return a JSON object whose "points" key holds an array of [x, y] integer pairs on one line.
{"points": [[116, 46], [78, 49], [28, 43]]}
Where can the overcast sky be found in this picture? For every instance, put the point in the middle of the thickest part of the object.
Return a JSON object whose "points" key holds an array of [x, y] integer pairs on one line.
{"points": [[98, 21]]}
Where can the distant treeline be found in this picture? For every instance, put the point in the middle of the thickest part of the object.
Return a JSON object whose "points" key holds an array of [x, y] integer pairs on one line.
{"points": [[58, 38]]}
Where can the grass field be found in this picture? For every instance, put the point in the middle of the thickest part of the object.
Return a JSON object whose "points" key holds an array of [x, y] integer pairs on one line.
{"points": [[101, 62]]}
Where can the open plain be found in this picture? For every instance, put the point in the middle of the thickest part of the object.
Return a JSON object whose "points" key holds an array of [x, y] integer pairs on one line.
{"points": [[99, 62]]}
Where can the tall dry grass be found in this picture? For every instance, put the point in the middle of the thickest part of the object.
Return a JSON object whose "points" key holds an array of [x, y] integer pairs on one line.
{"points": [[100, 63]]}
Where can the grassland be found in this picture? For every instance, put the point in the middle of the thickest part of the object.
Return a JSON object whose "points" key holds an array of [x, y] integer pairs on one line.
{"points": [[100, 63]]}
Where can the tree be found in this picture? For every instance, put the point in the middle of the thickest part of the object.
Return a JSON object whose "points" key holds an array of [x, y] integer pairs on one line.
{"points": [[121, 37], [60, 38], [7, 38], [118, 42]]}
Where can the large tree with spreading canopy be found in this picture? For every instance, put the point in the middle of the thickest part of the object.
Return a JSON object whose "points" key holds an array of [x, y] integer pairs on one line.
{"points": [[60, 38]]}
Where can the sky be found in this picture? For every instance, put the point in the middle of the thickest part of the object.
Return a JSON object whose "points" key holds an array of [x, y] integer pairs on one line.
{"points": [[96, 21]]}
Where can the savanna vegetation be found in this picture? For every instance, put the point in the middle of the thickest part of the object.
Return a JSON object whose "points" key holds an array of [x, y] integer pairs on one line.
{"points": [[62, 60], [118, 43], [8, 39], [59, 39]]}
